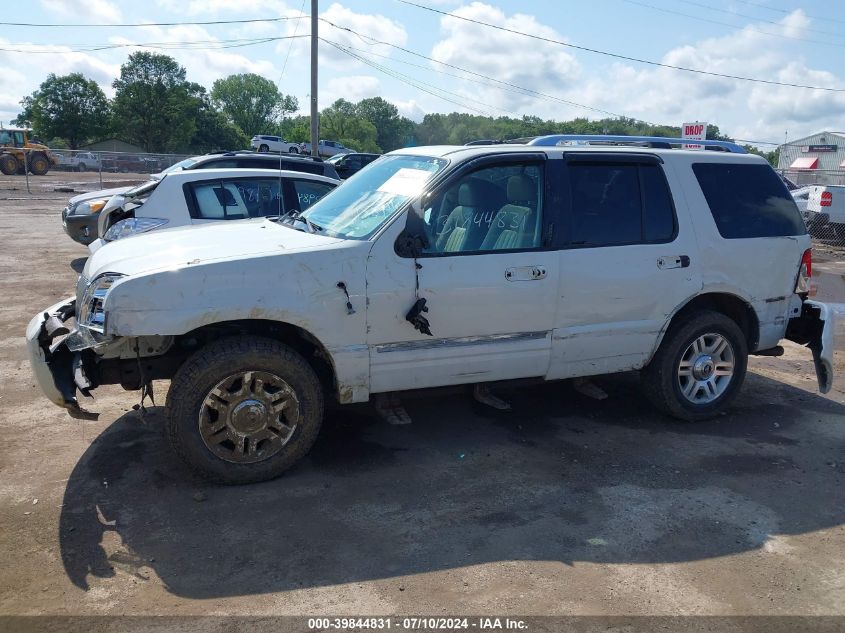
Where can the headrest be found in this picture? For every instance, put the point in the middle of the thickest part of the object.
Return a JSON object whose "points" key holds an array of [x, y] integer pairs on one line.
{"points": [[466, 196], [521, 189]]}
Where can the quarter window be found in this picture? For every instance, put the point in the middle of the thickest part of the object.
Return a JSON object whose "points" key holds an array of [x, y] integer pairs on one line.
{"points": [[236, 199], [308, 192], [615, 204], [748, 200]]}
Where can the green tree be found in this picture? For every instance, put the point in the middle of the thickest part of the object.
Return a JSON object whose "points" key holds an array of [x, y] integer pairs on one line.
{"points": [[153, 102], [252, 102], [391, 129], [68, 107], [340, 122]]}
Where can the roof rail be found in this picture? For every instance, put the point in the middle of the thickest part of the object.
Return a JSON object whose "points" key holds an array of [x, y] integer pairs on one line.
{"points": [[662, 142]]}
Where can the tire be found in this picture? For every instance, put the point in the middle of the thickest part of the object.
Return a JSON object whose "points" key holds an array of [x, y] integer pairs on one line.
{"points": [[38, 164], [662, 379], [202, 426], [293, 150], [80, 167], [263, 149], [8, 164]]}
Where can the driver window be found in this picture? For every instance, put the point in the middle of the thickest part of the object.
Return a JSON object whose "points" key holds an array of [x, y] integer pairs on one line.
{"points": [[490, 209]]}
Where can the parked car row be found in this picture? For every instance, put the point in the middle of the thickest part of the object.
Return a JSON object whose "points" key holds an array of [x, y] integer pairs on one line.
{"points": [[81, 215], [268, 143], [433, 266]]}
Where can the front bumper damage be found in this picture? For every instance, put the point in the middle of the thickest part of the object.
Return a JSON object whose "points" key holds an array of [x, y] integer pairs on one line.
{"points": [[60, 356]]}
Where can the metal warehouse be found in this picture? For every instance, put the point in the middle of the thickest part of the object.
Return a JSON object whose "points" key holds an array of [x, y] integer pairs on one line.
{"points": [[819, 158]]}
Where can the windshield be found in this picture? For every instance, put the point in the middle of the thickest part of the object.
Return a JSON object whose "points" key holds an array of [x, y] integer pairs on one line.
{"points": [[358, 208], [334, 158]]}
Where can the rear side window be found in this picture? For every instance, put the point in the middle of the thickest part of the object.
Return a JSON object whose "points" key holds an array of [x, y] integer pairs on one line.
{"points": [[748, 200], [235, 199], [615, 204]]}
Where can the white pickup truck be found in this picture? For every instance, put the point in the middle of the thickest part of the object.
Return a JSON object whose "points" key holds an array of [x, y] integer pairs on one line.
{"points": [[442, 266], [326, 148], [825, 214], [79, 161]]}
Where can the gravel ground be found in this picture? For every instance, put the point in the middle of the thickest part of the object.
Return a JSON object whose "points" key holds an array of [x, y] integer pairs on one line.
{"points": [[568, 506]]}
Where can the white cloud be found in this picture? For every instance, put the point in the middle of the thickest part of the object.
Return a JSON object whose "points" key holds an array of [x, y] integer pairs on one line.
{"points": [[505, 56], [202, 65], [352, 88], [744, 109], [246, 8], [97, 11], [375, 26], [24, 71]]}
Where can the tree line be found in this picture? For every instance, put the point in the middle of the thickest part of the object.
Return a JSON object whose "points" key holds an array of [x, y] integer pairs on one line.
{"points": [[157, 108]]}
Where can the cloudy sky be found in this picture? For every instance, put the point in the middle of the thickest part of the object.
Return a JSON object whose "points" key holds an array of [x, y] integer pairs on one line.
{"points": [[481, 69]]}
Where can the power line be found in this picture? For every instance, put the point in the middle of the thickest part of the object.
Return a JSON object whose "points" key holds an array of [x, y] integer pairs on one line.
{"points": [[620, 56], [760, 5], [732, 26], [295, 29], [139, 25], [751, 17], [452, 98], [177, 45], [490, 81]]}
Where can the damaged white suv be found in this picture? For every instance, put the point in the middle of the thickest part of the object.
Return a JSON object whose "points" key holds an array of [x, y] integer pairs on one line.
{"points": [[565, 257]]}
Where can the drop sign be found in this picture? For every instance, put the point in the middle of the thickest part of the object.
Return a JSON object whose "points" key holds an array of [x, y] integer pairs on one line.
{"points": [[696, 131]]}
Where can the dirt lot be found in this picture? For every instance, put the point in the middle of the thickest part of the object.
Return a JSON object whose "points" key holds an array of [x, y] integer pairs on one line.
{"points": [[568, 506]]}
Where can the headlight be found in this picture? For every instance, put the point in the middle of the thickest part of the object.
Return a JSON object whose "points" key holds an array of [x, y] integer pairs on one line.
{"points": [[89, 206], [90, 312], [132, 226]]}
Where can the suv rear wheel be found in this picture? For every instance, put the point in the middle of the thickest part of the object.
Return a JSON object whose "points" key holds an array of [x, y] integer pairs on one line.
{"points": [[699, 367], [244, 409], [294, 150]]}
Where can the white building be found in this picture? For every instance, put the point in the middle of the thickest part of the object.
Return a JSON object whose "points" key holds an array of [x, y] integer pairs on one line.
{"points": [[819, 158]]}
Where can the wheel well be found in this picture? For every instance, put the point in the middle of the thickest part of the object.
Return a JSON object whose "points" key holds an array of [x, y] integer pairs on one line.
{"points": [[297, 338], [732, 307]]}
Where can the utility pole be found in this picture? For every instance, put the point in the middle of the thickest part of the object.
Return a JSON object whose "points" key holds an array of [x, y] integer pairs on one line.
{"points": [[315, 113]]}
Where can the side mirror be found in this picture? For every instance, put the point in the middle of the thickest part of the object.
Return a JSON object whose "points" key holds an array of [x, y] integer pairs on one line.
{"points": [[413, 240]]}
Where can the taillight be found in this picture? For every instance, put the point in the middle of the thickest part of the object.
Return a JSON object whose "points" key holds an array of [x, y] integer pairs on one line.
{"points": [[804, 274], [827, 199]]}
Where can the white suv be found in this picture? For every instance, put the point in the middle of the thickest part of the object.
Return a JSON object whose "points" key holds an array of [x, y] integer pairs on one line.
{"points": [[202, 196], [266, 143], [443, 266]]}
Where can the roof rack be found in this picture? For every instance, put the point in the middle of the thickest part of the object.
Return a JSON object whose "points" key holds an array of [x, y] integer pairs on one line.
{"points": [[661, 142]]}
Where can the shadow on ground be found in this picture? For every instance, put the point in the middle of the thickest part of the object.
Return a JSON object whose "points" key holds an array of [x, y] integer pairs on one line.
{"points": [[565, 478]]}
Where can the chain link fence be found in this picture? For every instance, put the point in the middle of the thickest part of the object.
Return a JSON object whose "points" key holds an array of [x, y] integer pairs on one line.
{"points": [[36, 171], [820, 196]]}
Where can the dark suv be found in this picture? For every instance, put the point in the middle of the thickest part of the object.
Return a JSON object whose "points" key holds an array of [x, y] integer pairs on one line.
{"points": [[349, 164], [82, 212]]}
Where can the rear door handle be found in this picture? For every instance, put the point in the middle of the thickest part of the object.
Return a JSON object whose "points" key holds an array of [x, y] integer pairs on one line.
{"points": [[673, 261], [525, 273]]}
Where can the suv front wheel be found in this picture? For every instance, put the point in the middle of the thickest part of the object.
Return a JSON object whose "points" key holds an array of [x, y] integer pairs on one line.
{"points": [[244, 409], [699, 367]]}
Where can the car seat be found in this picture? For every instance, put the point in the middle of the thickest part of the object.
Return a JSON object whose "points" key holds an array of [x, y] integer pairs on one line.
{"points": [[514, 224]]}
